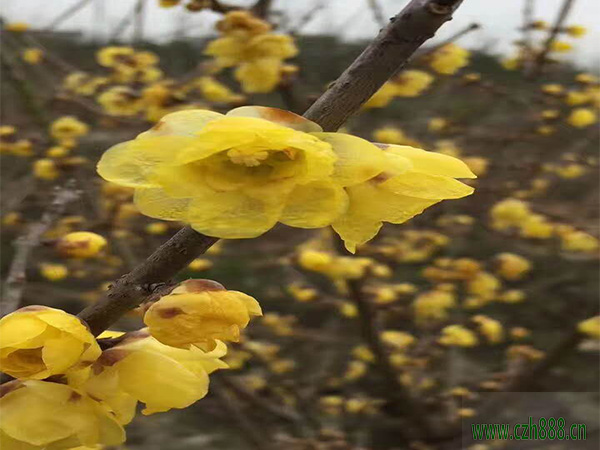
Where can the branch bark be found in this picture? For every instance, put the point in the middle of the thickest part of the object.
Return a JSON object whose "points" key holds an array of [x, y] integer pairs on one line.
{"points": [[391, 49]]}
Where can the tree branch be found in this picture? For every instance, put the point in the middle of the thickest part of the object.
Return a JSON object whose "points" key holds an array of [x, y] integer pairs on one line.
{"points": [[15, 281], [391, 49], [540, 60]]}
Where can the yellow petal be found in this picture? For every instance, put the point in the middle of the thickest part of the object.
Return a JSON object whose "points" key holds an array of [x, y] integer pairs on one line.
{"points": [[278, 116], [130, 163], [370, 205], [62, 353], [358, 159], [422, 185], [181, 123], [232, 215], [430, 162], [167, 384], [155, 202], [18, 328], [314, 205], [260, 75]]}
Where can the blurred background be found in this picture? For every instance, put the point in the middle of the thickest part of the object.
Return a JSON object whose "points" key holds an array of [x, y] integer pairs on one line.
{"points": [[493, 293]]}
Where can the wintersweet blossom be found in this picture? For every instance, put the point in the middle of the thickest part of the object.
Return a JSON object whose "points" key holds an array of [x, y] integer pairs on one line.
{"points": [[172, 377], [38, 415], [236, 175], [37, 342]]}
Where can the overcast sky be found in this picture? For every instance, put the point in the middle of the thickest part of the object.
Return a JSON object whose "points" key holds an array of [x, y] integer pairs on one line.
{"points": [[350, 19]]}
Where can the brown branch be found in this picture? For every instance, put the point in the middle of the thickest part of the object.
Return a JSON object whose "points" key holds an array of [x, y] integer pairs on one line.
{"points": [[261, 8], [233, 410], [527, 20], [258, 401], [538, 65], [367, 315], [306, 18], [469, 28], [391, 49], [16, 278], [66, 14]]}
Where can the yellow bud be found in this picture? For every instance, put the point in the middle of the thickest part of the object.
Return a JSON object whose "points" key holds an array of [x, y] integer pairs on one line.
{"points": [[45, 169], [198, 312], [53, 272], [81, 244]]}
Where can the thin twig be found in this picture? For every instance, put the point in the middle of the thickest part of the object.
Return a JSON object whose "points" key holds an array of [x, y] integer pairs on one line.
{"points": [[375, 8], [367, 315], [538, 65], [66, 14], [253, 435], [16, 279], [391, 49]]}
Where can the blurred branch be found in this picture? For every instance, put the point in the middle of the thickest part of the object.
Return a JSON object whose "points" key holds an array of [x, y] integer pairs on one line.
{"points": [[375, 8], [367, 316], [391, 49], [261, 8], [539, 62], [15, 281], [233, 410], [16, 76], [388, 52], [138, 21], [527, 20], [307, 18], [428, 51], [66, 14]]}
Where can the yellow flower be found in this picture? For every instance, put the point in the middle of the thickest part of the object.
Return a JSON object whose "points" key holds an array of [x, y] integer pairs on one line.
{"points": [[433, 306], [54, 272], [32, 55], [449, 59], [355, 370], [81, 244], [509, 212], [586, 78], [511, 266], [484, 285], [198, 312], [579, 241], [512, 296], [577, 98], [157, 228], [168, 3], [457, 335], [217, 92], [45, 169], [17, 27], [241, 23], [39, 415], [552, 89], [348, 309], [560, 47], [363, 353], [57, 152], [537, 226], [302, 294], [590, 326], [411, 83], [413, 181], [235, 176], [382, 97], [582, 117], [120, 101], [172, 377], [68, 127], [437, 124], [490, 328], [200, 264], [399, 340], [576, 31], [258, 57], [38, 342], [391, 135]]}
